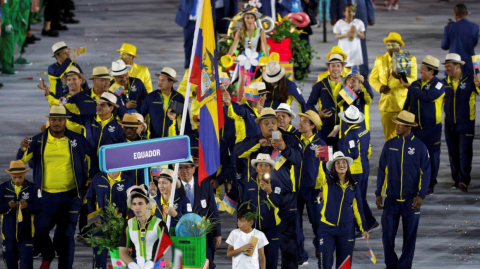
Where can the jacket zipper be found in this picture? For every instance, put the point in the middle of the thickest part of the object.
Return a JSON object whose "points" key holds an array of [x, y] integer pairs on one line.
{"points": [[73, 168], [401, 168], [341, 204], [419, 121]]}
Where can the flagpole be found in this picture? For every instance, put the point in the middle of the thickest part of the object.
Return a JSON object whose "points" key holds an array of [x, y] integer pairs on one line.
{"points": [[185, 107]]}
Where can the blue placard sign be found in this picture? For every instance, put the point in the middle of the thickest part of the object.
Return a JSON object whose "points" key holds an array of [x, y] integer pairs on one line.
{"points": [[144, 154]]}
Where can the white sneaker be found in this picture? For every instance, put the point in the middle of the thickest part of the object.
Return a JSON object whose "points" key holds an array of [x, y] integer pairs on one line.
{"points": [[305, 263], [395, 7], [389, 8]]}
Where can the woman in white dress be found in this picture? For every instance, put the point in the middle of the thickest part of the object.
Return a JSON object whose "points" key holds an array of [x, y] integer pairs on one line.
{"points": [[348, 31]]}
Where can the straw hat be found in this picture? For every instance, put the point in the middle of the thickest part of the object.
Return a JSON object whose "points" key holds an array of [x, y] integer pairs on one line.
{"points": [[58, 47], [72, 71], [190, 162], [263, 158], [58, 112], [267, 113], [253, 11], [128, 49], [143, 192], [17, 167], [168, 72], [130, 120], [392, 36], [352, 115], [100, 72], [453, 58], [141, 119], [119, 68], [313, 116], [431, 62], [405, 118], [336, 55], [338, 156], [285, 108], [168, 174], [108, 97], [260, 86], [274, 72]]}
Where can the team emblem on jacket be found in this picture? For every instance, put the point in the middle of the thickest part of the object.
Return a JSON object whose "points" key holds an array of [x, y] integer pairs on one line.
{"points": [[4, 248], [313, 146], [25, 195], [463, 86], [134, 88], [411, 151], [74, 142], [239, 176], [120, 187], [111, 128], [204, 203], [321, 241], [176, 206], [427, 87]]}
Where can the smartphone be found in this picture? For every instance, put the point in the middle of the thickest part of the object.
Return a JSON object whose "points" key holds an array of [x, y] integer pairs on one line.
{"points": [[332, 109], [176, 107], [275, 135], [82, 50], [403, 75], [42, 82]]}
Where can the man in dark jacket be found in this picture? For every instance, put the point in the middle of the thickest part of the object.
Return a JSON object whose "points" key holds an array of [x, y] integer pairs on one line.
{"points": [[62, 167], [19, 203], [461, 37]]}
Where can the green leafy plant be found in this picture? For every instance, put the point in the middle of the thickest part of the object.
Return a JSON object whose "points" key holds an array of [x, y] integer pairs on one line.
{"points": [[107, 235], [302, 53]]}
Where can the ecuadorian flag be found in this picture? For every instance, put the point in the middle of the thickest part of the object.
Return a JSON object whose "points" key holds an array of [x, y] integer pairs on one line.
{"points": [[204, 74]]}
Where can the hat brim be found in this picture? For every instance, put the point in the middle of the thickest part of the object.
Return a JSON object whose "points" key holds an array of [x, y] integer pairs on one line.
{"points": [[103, 101], [453, 62], [360, 119], [257, 15], [58, 116], [344, 55], [430, 66], [94, 77], [189, 163], [386, 39], [333, 62], [318, 125], [123, 72], [64, 78], [270, 162], [274, 79], [130, 124], [394, 119], [59, 49], [151, 201], [331, 162], [17, 172], [285, 111], [127, 52], [258, 120], [170, 77]]}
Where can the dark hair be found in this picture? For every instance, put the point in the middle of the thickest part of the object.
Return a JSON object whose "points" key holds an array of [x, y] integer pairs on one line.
{"points": [[282, 90], [348, 176], [435, 72], [347, 6], [461, 10], [244, 213], [138, 195]]}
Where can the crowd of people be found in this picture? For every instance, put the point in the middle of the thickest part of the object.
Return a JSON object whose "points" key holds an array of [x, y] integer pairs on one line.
{"points": [[270, 168]]}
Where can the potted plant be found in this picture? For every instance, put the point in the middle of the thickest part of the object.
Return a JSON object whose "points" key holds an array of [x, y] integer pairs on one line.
{"points": [[105, 234]]}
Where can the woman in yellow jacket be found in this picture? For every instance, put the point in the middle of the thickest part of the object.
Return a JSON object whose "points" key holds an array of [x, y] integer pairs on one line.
{"points": [[387, 83]]}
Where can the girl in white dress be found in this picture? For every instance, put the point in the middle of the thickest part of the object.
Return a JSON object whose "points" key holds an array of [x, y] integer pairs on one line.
{"points": [[348, 31]]}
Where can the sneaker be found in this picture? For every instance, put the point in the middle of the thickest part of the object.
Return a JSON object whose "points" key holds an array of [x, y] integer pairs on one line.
{"points": [[80, 239], [22, 61], [37, 256], [463, 187], [50, 33], [302, 262], [430, 191], [454, 186], [389, 8], [395, 7], [375, 227], [359, 236], [45, 264]]}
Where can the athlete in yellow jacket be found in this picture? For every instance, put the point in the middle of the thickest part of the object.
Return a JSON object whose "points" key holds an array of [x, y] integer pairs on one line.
{"points": [[127, 53], [387, 83]]}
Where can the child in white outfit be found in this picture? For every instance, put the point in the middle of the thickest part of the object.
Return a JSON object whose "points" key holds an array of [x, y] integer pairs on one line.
{"points": [[239, 243]]}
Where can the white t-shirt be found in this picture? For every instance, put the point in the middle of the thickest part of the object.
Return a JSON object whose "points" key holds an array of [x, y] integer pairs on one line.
{"points": [[238, 239], [353, 48]]}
